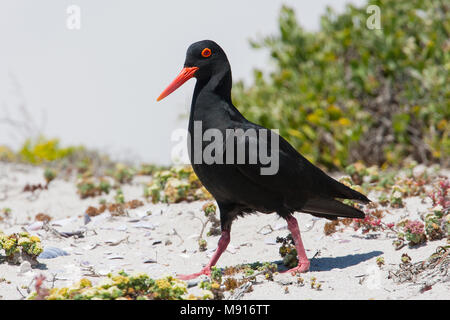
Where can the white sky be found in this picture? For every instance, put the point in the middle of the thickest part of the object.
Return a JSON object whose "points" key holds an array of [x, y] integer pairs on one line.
{"points": [[97, 86]]}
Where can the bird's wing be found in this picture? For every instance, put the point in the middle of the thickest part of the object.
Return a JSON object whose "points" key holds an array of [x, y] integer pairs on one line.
{"points": [[295, 176]]}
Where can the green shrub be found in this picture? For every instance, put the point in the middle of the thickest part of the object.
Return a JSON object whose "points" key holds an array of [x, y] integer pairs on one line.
{"points": [[347, 93], [42, 150]]}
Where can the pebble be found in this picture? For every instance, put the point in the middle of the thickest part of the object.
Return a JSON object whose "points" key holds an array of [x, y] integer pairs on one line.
{"points": [[285, 282], [87, 219], [145, 225], [115, 257], [85, 263], [280, 226], [25, 267], [90, 246], [270, 241], [193, 283], [100, 218], [150, 261]]}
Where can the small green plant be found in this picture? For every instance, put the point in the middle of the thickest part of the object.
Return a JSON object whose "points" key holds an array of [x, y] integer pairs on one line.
{"points": [[49, 175], [216, 274], [209, 209], [405, 258], [357, 172], [90, 187], [414, 232], [119, 197], [434, 226], [104, 186], [6, 211], [380, 261], [180, 183], [7, 154], [315, 285], [202, 245], [123, 174], [288, 251], [396, 198], [20, 247]]}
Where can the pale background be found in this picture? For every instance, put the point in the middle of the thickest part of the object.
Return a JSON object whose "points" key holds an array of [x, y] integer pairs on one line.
{"points": [[97, 86]]}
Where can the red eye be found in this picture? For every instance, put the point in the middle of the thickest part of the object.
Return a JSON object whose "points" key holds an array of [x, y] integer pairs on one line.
{"points": [[206, 52]]}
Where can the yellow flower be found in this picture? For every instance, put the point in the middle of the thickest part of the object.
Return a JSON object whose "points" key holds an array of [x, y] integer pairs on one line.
{"points": [[215, 285], [120, 279], [83, 283], [442, 124], [35, 239], [344, 122], [313, 118], [163, 284]]}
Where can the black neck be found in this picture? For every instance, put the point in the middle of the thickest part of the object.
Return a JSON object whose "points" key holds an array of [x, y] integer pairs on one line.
{"points": [[209, 109], [220, 84]]}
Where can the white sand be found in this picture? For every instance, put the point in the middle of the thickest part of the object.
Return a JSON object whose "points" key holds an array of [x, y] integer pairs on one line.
{"points": [[345, 257]]}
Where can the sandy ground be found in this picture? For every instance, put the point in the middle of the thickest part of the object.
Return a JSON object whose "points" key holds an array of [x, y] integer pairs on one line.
{"points": [[165, 242]]}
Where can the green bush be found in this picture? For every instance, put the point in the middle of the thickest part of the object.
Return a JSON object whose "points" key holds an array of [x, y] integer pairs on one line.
{"points": [[42, 150], [347, 93]]}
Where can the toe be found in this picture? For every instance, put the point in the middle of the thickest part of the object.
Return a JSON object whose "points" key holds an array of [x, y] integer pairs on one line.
{"points": [[303, 266], [205, 271]]}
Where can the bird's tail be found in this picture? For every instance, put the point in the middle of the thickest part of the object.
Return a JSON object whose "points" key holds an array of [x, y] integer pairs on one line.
{"points": [[344, 192], [331, 209]]}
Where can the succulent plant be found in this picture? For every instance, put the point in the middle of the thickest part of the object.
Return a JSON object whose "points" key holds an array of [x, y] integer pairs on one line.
{"points": [[122, 286], [21, 247]]}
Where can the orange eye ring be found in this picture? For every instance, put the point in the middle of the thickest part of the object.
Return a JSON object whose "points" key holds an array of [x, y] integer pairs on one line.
{"points": [[206, 52]]}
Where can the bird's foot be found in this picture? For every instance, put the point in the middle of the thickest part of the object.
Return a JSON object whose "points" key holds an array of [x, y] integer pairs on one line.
{"points": [[303, 266], [205, 271]]}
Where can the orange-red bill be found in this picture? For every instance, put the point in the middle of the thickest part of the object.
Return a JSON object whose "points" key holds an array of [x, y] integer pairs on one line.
{"points": [[184, 76]]}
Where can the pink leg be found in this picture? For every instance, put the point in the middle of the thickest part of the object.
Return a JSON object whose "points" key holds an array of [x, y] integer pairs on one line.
{"points": [[221, 247], [303, 262]]}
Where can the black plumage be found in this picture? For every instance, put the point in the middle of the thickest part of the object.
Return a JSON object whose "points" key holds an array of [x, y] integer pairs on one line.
{"points": [[297, 186]]}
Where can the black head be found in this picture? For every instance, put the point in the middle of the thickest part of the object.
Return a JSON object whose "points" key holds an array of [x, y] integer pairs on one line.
{"points": [[204, 59], [208, 57]]}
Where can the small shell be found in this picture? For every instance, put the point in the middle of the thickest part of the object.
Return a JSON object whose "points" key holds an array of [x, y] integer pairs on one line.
{"points": [[115, 257], [63, 222], [52, 252], [35, 226], [145, 225]]}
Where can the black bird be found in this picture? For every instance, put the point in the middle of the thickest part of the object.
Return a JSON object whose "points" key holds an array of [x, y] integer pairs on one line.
{"points": [[241, 187]]}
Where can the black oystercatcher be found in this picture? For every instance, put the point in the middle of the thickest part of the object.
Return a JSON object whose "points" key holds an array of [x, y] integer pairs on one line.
{"points": [[238, 183]]}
